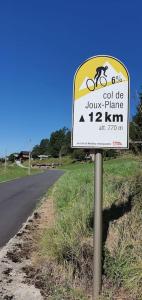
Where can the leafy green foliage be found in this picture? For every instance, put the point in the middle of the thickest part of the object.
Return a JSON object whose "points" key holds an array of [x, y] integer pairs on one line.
{"points": [[44, 145], [41, 149], [136, 127], [110, 153], [59, 143], [138, 117], [78, 154], [36, 151], [11, 157]]}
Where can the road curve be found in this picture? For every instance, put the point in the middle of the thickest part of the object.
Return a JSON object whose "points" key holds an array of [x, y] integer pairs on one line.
{"points": [[18, 198]]}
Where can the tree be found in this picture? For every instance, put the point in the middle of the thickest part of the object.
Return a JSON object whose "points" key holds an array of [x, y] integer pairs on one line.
{"points": [[58, 145], [11, 157], [2, 160], [43, 147], [136, 127], [111, 153], [57, 141], [138, 117], [66, 148], [36, 151], [79, 154]]}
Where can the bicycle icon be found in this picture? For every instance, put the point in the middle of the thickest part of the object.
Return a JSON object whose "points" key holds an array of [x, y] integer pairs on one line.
{"points": [[98, 78], [92, 84]]}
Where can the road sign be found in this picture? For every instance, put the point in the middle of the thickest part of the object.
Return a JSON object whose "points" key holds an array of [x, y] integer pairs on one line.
{"points": [[100, 120], [101, 104]]}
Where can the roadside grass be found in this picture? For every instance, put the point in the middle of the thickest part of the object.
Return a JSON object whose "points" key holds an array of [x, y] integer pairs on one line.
{"points": [[123, 247], [12, 171], [65, 160], [69, 242]]}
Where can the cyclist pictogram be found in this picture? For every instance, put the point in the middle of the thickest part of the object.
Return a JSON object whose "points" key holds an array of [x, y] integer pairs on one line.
{"points": [[98, 78]]}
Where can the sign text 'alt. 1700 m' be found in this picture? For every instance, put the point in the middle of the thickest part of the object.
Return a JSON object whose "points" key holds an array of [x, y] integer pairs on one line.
{"points": [[100, 106]]}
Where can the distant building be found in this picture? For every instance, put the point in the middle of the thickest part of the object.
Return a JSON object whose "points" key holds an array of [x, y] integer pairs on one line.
{"points": [[42, 156], [92, 156], [16, 155], [23, 155]]}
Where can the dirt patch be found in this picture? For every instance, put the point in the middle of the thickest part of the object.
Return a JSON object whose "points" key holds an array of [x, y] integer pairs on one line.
{"points": [[13, 257], [47, 215], [20, 276]]}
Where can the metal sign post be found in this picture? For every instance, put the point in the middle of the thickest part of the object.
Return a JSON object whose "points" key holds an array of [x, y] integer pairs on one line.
{"points": [[97, 238], [5, 161], [29, 168], [30, 154], [100, 121]]}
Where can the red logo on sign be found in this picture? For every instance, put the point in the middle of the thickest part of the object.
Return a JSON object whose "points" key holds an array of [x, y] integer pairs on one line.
{"points": [[115, 143]]}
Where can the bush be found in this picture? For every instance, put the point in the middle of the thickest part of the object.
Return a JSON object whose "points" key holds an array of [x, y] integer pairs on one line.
{"points": [[110, 153], [78, 154]]}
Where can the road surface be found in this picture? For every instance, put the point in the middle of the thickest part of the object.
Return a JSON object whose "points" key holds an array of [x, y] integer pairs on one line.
{"points": [[18, 198]]}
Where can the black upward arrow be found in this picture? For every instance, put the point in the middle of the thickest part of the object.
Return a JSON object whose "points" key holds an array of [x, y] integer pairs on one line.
{"points": [[82, 119]]}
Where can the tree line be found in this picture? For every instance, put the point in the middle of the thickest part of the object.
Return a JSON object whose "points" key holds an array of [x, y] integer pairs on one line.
{"points": [[136, 128], [59, 144]]}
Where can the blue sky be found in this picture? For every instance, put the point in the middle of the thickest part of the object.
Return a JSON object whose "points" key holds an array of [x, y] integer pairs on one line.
{"points": [[42, 43]]}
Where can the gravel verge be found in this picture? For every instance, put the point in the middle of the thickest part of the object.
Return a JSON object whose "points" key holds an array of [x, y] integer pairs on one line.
{"points": [[14, 259]]}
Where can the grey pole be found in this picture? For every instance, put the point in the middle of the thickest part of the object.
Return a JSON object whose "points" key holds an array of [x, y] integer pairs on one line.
{"points": [[29, 169], [5, 161], [97, 241]]}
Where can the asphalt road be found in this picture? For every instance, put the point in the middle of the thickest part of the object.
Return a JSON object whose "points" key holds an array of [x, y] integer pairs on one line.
{"points": [[18, 198]]}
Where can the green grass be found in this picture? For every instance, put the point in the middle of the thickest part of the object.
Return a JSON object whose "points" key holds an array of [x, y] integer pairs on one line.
{"points": [[65, 160], [70, 240], [121, 167], [66, 292], [12, 171]]}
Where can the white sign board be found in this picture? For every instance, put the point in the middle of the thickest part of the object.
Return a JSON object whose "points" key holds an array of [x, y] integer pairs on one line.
{"points": [[101, 104]]}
